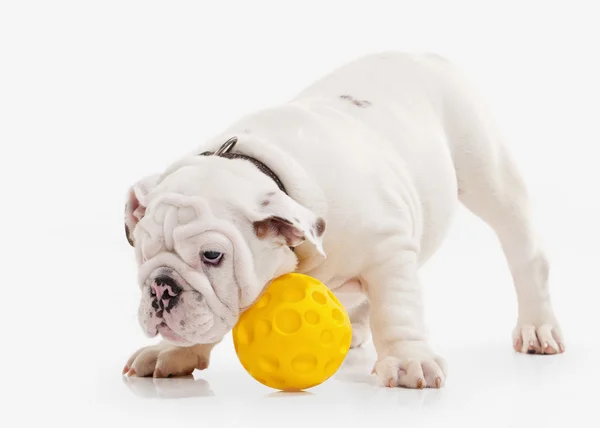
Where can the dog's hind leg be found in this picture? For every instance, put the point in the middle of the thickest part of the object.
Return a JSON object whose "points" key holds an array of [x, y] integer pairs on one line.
{"points": [[491, 187], [359, 317]]}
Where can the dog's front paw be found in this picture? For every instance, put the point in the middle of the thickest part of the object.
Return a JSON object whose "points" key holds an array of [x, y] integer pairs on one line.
{"points": [[414, 366], [543, 338], [166, 360]]}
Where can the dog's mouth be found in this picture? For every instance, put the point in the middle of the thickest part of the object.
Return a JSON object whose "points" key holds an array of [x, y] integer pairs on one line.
{"points": [[166, 332]]}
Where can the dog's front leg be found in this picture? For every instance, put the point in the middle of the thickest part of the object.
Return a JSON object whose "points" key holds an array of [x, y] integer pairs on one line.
{"points": [[166, 360], [403, 354]]}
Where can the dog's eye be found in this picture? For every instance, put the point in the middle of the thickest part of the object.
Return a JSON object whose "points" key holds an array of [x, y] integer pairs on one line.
{"points": [[212, 257]]}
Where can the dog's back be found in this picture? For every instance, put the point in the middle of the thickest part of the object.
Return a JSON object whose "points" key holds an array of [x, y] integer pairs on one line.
{"points": [[391, 105]]}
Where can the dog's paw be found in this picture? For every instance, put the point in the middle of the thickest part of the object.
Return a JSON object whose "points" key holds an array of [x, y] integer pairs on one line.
{"points": [[166, 360], [414, 367], [544, 338]]}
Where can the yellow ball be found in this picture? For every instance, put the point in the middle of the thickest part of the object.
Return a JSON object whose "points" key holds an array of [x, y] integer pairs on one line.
{"points": [[295, 336]]}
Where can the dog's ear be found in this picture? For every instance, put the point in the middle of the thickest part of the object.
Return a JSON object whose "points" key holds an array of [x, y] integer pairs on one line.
{"points": [[281, 218], [135, 206]]}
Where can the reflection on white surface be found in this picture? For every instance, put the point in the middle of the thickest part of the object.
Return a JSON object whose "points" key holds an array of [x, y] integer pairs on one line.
{"points": [[281, 394], [181, 387]]}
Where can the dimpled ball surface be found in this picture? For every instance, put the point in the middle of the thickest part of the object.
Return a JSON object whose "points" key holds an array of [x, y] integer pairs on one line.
{"points": [[295, 336]]}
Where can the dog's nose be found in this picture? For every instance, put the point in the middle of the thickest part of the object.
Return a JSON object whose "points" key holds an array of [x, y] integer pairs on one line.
{"points": [[165, 292]]}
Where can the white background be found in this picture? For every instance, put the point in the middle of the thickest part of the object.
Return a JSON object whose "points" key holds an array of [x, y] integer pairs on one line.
{"points": [[96, 94]]}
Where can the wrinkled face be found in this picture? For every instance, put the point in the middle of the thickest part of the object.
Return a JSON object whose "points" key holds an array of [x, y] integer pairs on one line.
{"points": [[208, 238]]}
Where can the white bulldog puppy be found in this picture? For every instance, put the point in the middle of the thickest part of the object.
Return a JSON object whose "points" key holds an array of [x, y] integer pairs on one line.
{"points": [[353, 182]]}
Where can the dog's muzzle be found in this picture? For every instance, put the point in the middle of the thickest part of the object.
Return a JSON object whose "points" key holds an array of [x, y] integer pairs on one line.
{"points": [[175, 310]]}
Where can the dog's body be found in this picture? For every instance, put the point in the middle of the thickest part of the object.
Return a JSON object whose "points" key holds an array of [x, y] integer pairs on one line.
{"points": [[380, 150]]}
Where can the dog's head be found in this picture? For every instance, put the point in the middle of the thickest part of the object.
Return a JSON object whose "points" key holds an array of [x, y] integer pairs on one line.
{"points": [[209, 234]]}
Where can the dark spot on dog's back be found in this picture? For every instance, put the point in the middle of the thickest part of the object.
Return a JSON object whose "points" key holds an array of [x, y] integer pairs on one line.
{"points": [[265, 203], [182, 323], [357, 103], [199, 297], [363, 103]]}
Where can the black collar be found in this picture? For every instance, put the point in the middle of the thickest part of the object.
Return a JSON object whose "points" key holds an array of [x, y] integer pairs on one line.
{"points": [[225, 152]]}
